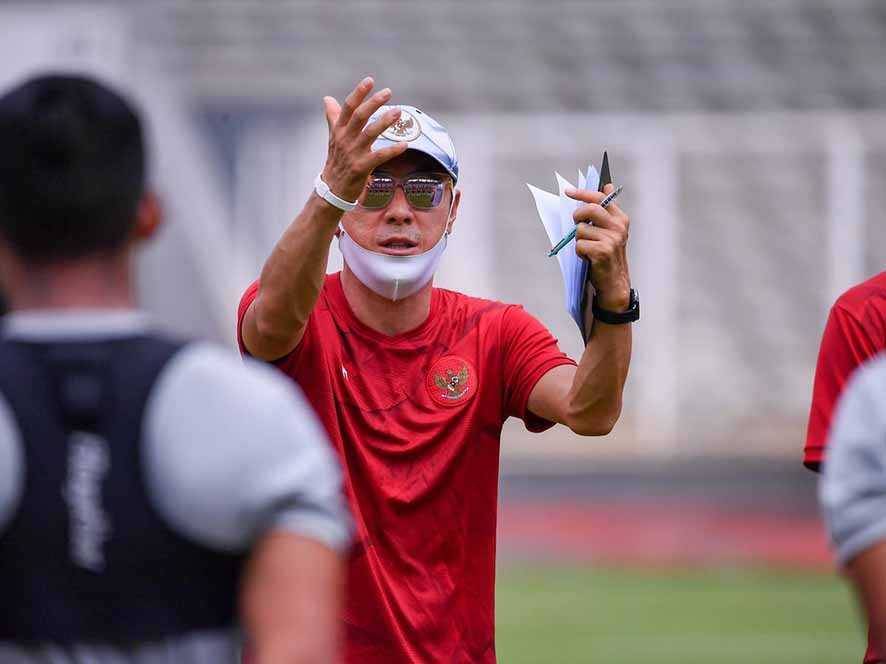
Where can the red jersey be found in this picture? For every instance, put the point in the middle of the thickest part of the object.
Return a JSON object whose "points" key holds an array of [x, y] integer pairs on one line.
{"points": [[855, 332], [417, 419]]}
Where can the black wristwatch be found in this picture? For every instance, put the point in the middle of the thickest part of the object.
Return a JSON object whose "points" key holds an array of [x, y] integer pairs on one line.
{"points": [[630, 315]]}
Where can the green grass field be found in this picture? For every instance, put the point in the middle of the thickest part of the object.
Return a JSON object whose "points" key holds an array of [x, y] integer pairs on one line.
{"points": [[567, 615]]}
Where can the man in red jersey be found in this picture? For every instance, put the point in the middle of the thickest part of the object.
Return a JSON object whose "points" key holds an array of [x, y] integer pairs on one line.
{"points": [[855, 332], [414, 382]]}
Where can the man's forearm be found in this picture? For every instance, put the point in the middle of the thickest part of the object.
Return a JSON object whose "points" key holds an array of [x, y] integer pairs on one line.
{"points": [[593, 400], [291, 601], [596, 395], [293, 274], [866, 572]]}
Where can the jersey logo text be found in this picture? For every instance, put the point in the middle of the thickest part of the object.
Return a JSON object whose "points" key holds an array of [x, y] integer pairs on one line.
{"points": [[88, 463]]}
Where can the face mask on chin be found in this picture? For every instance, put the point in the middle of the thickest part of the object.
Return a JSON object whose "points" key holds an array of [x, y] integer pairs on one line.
{"points": [[394, 277]]}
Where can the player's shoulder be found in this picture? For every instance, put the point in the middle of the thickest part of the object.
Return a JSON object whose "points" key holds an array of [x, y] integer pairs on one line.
{"points": [[204, 372], [512, 320], [231, 446], [870, 377], [871, 292]]}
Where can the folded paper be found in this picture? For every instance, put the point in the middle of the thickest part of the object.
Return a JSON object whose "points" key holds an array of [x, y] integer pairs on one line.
{"points": [[555, 211]]}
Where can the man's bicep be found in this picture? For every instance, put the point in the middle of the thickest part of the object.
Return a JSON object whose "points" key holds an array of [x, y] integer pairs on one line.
{"points": [[549, 398], [263, 342], [868, 574], [529, 353]]}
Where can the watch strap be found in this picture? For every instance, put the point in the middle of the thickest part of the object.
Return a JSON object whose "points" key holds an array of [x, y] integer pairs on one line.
{"points": [[631, 315], [323, 191]]}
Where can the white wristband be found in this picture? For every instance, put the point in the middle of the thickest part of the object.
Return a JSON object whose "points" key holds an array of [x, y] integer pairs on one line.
{"points": [[323, 191]]}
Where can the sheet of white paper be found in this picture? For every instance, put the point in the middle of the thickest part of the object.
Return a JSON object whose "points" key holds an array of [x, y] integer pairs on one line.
{"points": [[555, 212], [548, 207], [567, 205], [570, 266], [593, 179]]}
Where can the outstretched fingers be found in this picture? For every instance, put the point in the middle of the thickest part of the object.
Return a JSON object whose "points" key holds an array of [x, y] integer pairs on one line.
{"points": [[361, 116], [350, 158], [353, 100], [378, 127], [332, 110]]}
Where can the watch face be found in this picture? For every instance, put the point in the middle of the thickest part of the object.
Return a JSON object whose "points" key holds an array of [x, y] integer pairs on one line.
{"points": [[634, 311]]}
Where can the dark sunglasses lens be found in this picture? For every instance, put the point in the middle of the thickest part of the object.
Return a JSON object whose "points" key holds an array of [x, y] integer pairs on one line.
{"points": [[424, 192], [379, 192]]}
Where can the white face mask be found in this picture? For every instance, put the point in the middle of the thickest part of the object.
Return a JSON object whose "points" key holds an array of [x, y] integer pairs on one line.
{"points": [[392, 277]]}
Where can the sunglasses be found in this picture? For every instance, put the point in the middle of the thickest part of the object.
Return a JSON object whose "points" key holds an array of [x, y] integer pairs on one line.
{"points": [[423, 191]]}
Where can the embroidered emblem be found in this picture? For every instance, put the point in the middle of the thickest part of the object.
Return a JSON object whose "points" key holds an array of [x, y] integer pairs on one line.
{"points": [[404, 129], [451, 381]]}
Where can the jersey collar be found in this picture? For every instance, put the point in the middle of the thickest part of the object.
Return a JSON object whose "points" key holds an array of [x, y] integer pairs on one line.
{"points": [[68, 324], [339, 302]]}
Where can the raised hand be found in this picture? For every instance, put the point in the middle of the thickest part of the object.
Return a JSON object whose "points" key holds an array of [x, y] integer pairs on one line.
{"points": [[350, 159], [602, 236]]}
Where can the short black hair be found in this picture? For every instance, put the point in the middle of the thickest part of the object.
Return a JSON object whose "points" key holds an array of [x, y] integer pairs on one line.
{"points": [[72, 167]]}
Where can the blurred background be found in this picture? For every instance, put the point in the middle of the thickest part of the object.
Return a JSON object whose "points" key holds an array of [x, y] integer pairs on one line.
{"points": [[751, 140]]}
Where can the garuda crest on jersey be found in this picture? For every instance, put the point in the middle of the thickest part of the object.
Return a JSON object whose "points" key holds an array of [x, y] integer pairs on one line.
{"points": [[451, 381], [454, 385]]}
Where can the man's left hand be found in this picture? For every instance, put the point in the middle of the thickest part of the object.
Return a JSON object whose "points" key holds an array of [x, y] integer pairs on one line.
{"points": [[602, 237]]}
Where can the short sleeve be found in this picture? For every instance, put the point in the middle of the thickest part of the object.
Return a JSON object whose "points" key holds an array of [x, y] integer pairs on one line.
{"points": [[844, 346], [233, 450], [529, 352], [248, 298], [852, 491]]}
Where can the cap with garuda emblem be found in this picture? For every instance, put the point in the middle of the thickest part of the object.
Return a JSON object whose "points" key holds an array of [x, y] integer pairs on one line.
{"points": [[423, 133]]}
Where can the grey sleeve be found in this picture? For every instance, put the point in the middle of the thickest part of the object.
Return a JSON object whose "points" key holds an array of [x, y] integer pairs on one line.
{"points": [[232, 451], [852, 490], [11, 463]]}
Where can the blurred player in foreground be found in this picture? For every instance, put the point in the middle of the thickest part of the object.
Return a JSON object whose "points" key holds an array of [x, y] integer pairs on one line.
{"points": [[146, 485], [853, 491], [414, 382], [855, 332]]}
